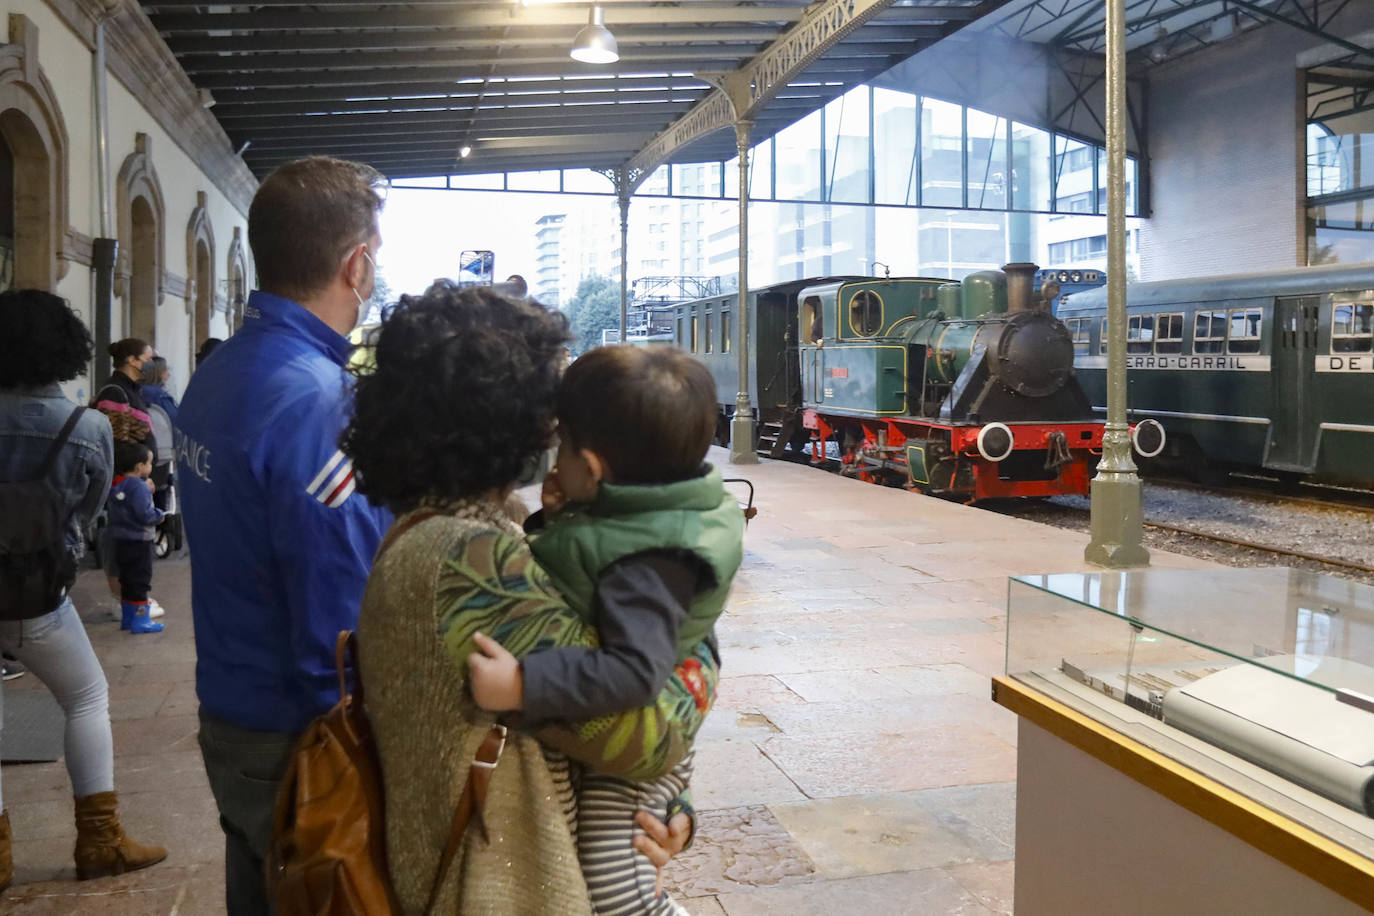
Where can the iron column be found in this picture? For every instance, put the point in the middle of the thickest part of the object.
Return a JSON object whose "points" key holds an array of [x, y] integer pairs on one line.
{"points": [[105, 249], [743, 430], [1116, 513], [622, 181]]}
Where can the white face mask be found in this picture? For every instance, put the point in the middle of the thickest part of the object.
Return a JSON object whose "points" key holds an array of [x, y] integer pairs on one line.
{"points": [[362, 303]]}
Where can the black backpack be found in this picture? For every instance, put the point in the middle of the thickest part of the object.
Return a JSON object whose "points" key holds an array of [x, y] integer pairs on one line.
{"points": [[36, 568]]}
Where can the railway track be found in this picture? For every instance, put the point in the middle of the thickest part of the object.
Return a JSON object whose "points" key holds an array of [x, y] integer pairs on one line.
{"points": [[1361, 569], [1343, 498]]}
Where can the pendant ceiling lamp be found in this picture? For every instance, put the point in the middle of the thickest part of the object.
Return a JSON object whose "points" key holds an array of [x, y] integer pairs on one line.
{"points": [[595, 44]]}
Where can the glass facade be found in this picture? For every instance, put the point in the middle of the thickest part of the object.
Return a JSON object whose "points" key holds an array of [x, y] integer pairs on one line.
{"points": [[1340, 173], [889, 148], [878, 180]]}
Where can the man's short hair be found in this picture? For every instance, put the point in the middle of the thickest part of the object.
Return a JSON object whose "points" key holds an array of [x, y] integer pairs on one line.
{"points": [[305, 216], [650, 412]]}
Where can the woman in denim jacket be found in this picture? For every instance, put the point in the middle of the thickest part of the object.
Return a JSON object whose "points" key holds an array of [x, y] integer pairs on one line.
{"points": [[45, 343]]}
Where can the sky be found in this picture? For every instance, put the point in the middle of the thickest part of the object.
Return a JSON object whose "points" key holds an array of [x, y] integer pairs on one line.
{"points": [[424, 231]]}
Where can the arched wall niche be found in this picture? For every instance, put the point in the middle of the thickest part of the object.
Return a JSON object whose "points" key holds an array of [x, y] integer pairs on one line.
{"points": [[32, 126], [139, 275], [200, 271], [237, 285]]}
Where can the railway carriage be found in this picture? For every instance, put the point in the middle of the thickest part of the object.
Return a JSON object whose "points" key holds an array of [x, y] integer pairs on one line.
{"points": [[1271, 371]]}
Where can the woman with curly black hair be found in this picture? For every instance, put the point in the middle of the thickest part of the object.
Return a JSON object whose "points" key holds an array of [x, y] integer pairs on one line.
{"points": [[459, 405], [44, 344]]}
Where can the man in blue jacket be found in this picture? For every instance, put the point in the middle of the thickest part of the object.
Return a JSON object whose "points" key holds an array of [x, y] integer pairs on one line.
{"points": [[280, 542]]}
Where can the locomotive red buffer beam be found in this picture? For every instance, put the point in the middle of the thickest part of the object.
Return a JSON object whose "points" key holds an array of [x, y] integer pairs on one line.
{"points": [[1024, 459], [967, 462]]}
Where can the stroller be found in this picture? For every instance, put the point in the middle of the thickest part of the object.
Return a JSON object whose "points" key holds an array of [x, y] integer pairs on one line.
{"points": [[167, 538]]}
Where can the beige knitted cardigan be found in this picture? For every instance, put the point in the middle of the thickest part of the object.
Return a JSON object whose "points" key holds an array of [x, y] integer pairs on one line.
{"points": [[427, 732]]}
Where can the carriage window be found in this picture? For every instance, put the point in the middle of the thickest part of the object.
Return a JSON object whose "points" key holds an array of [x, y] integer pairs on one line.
{"points": [[1352, 322], [1102, 337], [1245, 331], [1081, 330], [1169, 333], [866, 313], [706, 334], [812, 320], [1209, 332], [681, 341], [1140, 333], [725, 332], [694, 334]]}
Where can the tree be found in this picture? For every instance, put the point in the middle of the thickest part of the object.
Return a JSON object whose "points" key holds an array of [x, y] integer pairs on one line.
{"points": [[594, 308]]}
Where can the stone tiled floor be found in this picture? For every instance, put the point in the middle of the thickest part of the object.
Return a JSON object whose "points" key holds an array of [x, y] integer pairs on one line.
{"points": [[854, 762]]}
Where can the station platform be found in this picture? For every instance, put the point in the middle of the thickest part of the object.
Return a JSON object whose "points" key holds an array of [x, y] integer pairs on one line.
{"points": [[854, 761]]}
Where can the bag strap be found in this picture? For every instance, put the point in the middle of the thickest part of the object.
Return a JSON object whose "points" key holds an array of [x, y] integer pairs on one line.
{"points": [[50, 459], [471, 803], [119, 390]]}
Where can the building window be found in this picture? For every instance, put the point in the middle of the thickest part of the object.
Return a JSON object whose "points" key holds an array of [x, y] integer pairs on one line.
{"points": [[1352, 322], [1169, 333], [1140, 334], [1075, 160], [1060, 252], [1245, 331], [1209, 332]]}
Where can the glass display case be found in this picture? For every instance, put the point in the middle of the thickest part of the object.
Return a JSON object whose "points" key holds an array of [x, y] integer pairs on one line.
{"points": [[1260, 678]]}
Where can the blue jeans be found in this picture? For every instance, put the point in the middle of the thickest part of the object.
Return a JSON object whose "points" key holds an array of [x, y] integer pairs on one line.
{"points": [[56, 650], [245, 768]]}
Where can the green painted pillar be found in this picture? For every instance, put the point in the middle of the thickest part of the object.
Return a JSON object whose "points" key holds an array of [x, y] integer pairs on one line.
{"points": [[1117, 519], [743, 428]]}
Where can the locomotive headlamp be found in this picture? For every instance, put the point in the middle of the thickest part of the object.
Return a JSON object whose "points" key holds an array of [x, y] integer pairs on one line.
{"points": [[995, 441], [1148, 438]]}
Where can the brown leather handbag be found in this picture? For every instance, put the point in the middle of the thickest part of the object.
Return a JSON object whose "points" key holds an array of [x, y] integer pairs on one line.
{"points": [[328, 855]]}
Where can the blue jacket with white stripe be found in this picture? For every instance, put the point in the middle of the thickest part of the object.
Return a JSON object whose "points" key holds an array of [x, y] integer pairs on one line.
{"points": [[281, 544]]}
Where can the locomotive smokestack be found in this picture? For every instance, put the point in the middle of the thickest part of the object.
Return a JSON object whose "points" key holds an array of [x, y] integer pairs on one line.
{"points": [[1020, 286]]}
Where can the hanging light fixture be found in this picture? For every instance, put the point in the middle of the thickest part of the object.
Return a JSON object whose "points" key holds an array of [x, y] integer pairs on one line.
{"points": [[595, 44], [464, 151]]}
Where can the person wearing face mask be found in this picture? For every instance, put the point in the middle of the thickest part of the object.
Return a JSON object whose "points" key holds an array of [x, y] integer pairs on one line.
{"points": [[281, 542], [123, 400]]}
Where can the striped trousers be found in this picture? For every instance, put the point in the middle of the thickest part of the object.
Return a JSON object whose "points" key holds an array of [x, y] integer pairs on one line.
{"points": [[621, 880]]}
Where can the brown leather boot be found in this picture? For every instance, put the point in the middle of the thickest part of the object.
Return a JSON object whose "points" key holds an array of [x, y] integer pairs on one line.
{"points": [[101, 846], [6, 851]]}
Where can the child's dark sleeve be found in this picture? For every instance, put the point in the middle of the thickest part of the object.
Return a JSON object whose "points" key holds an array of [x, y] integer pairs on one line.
{"points": [[640, 604], [141, 505]]}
